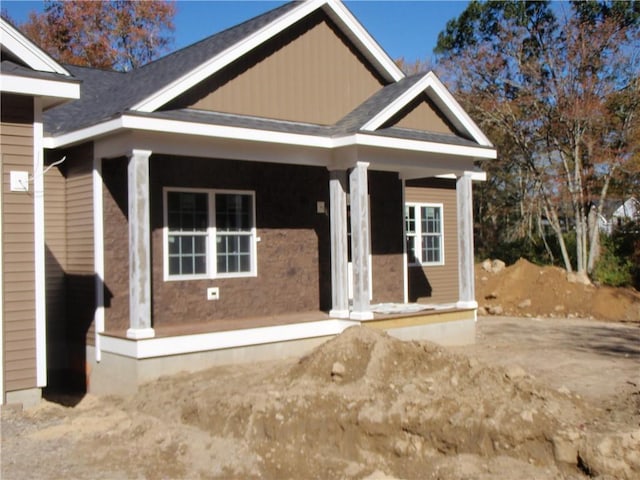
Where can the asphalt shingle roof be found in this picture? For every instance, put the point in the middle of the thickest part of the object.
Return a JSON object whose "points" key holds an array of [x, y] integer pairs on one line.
{"points": [[105, 94], [109, 94], [9, 67]]}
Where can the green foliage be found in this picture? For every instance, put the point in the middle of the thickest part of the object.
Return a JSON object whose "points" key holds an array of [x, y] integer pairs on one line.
{"points": [[619, 263]]}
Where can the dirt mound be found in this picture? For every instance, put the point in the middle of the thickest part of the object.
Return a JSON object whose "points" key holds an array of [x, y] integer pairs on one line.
{"points": [[525, 289], [366, 402], [363, 405]]}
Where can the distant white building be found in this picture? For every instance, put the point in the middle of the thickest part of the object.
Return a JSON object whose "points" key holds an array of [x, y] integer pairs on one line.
{"points": [[628, 210]]}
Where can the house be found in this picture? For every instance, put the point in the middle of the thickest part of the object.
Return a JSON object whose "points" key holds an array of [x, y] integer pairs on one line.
{"points": [[251, 195], [616, 213], [31, 82]]}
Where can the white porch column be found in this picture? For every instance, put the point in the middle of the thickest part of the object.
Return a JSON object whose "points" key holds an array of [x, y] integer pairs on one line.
{"points": [[360, 241], [139, 246], [339, 239], [466, 287]]}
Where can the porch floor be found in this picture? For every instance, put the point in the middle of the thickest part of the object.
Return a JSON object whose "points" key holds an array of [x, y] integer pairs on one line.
{"points": [[276, 320]]}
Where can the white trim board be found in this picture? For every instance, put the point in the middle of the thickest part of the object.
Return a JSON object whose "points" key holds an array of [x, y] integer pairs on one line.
{"points": [[27, 51], [39, 87], [183, 344], [134, 122], [352, 28], [39, 246]]}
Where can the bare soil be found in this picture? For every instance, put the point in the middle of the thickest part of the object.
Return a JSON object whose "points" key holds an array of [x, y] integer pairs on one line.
{"points": [[534, 399], [525, 289]]}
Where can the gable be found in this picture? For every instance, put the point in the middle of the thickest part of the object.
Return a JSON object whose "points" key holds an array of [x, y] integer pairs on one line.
{"points": [[422, 114], [309, 73]]}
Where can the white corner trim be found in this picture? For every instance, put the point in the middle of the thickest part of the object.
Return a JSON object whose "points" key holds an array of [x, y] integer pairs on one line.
{"points": [[208, 68], [39, 246], [177, 345], [441, 97], [38, 86], [27, 51], [98, 254], [372, 49]]}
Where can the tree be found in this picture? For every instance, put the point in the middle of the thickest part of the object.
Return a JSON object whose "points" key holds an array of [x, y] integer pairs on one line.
{"points": [[559, 96], [117, 34]]}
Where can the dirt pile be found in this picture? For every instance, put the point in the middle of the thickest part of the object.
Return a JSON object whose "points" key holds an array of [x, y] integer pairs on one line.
{"points": [[362, 405], [525, 289]]}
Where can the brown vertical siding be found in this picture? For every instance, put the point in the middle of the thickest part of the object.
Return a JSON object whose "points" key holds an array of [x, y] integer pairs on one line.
{"points": [[311, 73], [436, 284], [422, 114], [55, 228], [385, 197], [80, 268], [16, 145]]}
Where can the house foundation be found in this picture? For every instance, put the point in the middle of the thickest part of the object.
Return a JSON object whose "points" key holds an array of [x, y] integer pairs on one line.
{"points": [[131, 363]]}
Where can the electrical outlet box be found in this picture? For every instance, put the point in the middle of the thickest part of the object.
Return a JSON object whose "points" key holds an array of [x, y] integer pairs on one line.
{"points": [[213, 293], [19, 181]]}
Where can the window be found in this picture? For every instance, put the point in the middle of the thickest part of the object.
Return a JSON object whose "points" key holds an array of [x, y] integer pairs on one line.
{"points": [[209, 234], [423, 227]]}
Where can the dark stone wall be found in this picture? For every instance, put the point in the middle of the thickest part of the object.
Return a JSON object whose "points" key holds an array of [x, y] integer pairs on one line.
{"points": [[387, 215], [293, 252]]}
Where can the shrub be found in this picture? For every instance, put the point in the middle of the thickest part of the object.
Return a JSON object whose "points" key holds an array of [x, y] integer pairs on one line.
{"points": [[614, 268]]}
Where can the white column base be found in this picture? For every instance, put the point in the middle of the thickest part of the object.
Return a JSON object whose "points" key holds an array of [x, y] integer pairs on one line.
{"points": [[339, 313], [361, 315], [140, 333], [467, 304]]}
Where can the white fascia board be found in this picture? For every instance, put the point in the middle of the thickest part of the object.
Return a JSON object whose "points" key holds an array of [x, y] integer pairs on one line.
{"points": [[476, 176], [27, 51], [441, 97], [185, 344], [221, 131], [84, 134], [38, 87], [422, 146], [370, 48], [137, 123], [203, 71], [445, 100]]}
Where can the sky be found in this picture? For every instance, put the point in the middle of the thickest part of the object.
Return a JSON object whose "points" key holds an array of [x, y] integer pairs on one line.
{"points": [[406, 29]]}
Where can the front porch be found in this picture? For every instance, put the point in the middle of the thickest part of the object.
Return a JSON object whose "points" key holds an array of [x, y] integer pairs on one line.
{"points": [[126, 363]]}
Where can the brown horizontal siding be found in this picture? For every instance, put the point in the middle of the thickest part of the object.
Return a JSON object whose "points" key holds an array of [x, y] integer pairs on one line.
{"points": [[436, 284], [311, 73], [16, 145]]}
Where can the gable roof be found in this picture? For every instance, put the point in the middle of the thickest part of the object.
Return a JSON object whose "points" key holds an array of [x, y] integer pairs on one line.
{"points": [[154, 85], [27, 70]]}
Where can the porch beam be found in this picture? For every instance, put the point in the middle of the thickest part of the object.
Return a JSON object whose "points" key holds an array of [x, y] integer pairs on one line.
{"points": [[360, 241], [466, 286], [339, 245], [139, 246]]}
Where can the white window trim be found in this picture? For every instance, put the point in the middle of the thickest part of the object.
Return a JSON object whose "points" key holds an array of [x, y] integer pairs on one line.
{"points": [[212, 273], [418, 233]]}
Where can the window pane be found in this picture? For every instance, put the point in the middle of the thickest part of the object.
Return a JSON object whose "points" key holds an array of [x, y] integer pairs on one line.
{"points": [[187, 211], [234, 253], [201, 264], [410, 218], [233, 212], [186, 264], [174, 266]]}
